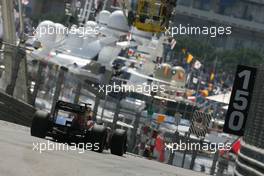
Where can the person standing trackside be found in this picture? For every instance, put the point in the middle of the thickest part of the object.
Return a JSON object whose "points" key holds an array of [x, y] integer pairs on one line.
{"points": [[159, 150]]}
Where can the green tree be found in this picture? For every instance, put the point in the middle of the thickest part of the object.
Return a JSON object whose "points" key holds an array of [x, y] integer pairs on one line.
{"points": [[227, 60], [244, 56]]}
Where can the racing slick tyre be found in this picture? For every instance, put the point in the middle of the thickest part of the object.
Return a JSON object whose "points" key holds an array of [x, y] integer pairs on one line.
{"points": [[40, 124], [98, 138], [118, 142]]}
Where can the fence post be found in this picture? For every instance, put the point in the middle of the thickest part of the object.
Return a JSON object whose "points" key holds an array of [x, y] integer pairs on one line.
{"points": [[59, 83], [187, 137], [78, 92], [37, 83], [212, 170], [174, 140]]}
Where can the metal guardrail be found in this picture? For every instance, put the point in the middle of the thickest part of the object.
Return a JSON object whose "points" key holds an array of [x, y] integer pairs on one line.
{"points": [[250, 161], [15, 111]]}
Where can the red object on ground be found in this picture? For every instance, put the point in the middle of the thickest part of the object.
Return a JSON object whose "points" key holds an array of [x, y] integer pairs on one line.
{"points": [[236, 146]]}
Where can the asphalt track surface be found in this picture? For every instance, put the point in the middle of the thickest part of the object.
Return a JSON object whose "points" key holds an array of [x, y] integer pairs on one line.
{"points": [[17, 158]]}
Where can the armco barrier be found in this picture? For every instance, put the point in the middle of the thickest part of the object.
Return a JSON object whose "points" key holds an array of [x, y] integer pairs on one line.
{"points": [[15, 111]]}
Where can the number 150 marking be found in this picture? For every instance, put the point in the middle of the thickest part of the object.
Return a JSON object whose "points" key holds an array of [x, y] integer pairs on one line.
{"points": [[246, 74], [240, 96]]}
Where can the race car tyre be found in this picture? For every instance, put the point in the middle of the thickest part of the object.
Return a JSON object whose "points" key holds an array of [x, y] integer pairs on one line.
{"points": [[98, 138], [118, 142], [40, 124]]}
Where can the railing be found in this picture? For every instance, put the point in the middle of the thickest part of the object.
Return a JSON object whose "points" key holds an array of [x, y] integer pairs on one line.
{"points": [[250, 161]]}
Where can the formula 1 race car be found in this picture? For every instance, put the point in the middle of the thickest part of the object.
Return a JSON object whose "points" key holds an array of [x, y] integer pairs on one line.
{"points": [[72, 123]]}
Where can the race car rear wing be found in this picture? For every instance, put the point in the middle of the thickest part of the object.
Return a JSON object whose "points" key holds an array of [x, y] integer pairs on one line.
{"points": [[71, 107]]}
